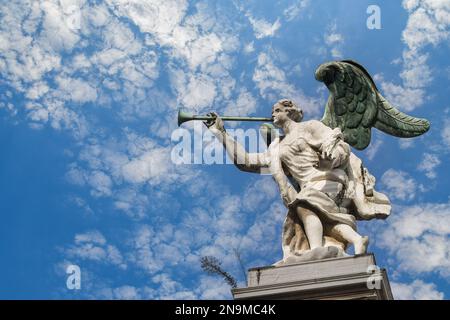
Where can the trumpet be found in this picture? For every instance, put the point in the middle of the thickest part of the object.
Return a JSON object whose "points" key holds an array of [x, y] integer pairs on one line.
{"points": [[185, 116]]}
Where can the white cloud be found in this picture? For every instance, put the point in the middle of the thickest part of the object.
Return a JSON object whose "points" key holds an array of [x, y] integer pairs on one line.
{"points": [[416, 290], [92, 246], [153, 251], [260, 193], [195, 223], [428, 24], [76, 90], [58, 33], [204, 50], [417, 74], [37, 113], [120, 69], [39, 62], [249, 47], [403, 98], [333, 37], [263, 236], [126, 293], [135, 171], [98, 16], [27, 60], [24, 60], [231, 215], [213, 232], [197, 91], [164, 288], [75, 176], [165, 20], [197, 44], [170, 289], [37, 90], [120, 37], [263, 28], [334, 41], [92, 236], [101, 184], [274, 85], [244, 105], [295, 9], [9, 107], [428, 164], [35, 15], [159, 17], [142, 254], [99, 289], [152, 166], [109, 56], [418, 238], [399, 184], [132, 202], [212, 288], [81, 203], [373, 148], [405, 143], [5, 97], [54, 112]]}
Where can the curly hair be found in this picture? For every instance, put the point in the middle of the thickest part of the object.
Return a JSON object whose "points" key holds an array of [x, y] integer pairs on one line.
{"points": [[294, 112]]}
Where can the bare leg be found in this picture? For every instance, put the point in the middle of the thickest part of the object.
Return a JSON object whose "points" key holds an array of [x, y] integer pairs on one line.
{"points": [[350, 235], [313, 227]]}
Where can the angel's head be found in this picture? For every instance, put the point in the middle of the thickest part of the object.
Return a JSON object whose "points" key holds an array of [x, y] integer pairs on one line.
{"points": [[284, 110]]}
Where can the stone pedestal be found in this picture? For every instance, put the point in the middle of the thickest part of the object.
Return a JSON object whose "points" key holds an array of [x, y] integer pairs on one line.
{"points": [[345, 278]]}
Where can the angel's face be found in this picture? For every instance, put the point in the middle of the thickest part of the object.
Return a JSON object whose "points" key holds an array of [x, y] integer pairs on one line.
{"points": [[279, 115]]}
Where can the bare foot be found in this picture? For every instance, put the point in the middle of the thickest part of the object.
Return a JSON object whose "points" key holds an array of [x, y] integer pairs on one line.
{"points": [[361, 245]]}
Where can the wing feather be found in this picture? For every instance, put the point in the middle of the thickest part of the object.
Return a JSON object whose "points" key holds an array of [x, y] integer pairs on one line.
{"points": [[355, 105]]}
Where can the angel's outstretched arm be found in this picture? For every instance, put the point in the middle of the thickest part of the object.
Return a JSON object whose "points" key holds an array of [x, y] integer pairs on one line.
{"points": [[249, 162]]}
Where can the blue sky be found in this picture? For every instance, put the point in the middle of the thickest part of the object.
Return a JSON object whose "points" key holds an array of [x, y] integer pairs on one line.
{"points": [[89, 92]]}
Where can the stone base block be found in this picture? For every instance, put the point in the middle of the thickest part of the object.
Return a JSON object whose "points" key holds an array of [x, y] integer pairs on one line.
{"points": [[345, 278]]}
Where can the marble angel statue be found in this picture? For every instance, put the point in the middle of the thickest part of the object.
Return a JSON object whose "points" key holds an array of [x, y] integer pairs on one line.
{"points": [[323, 184]]}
